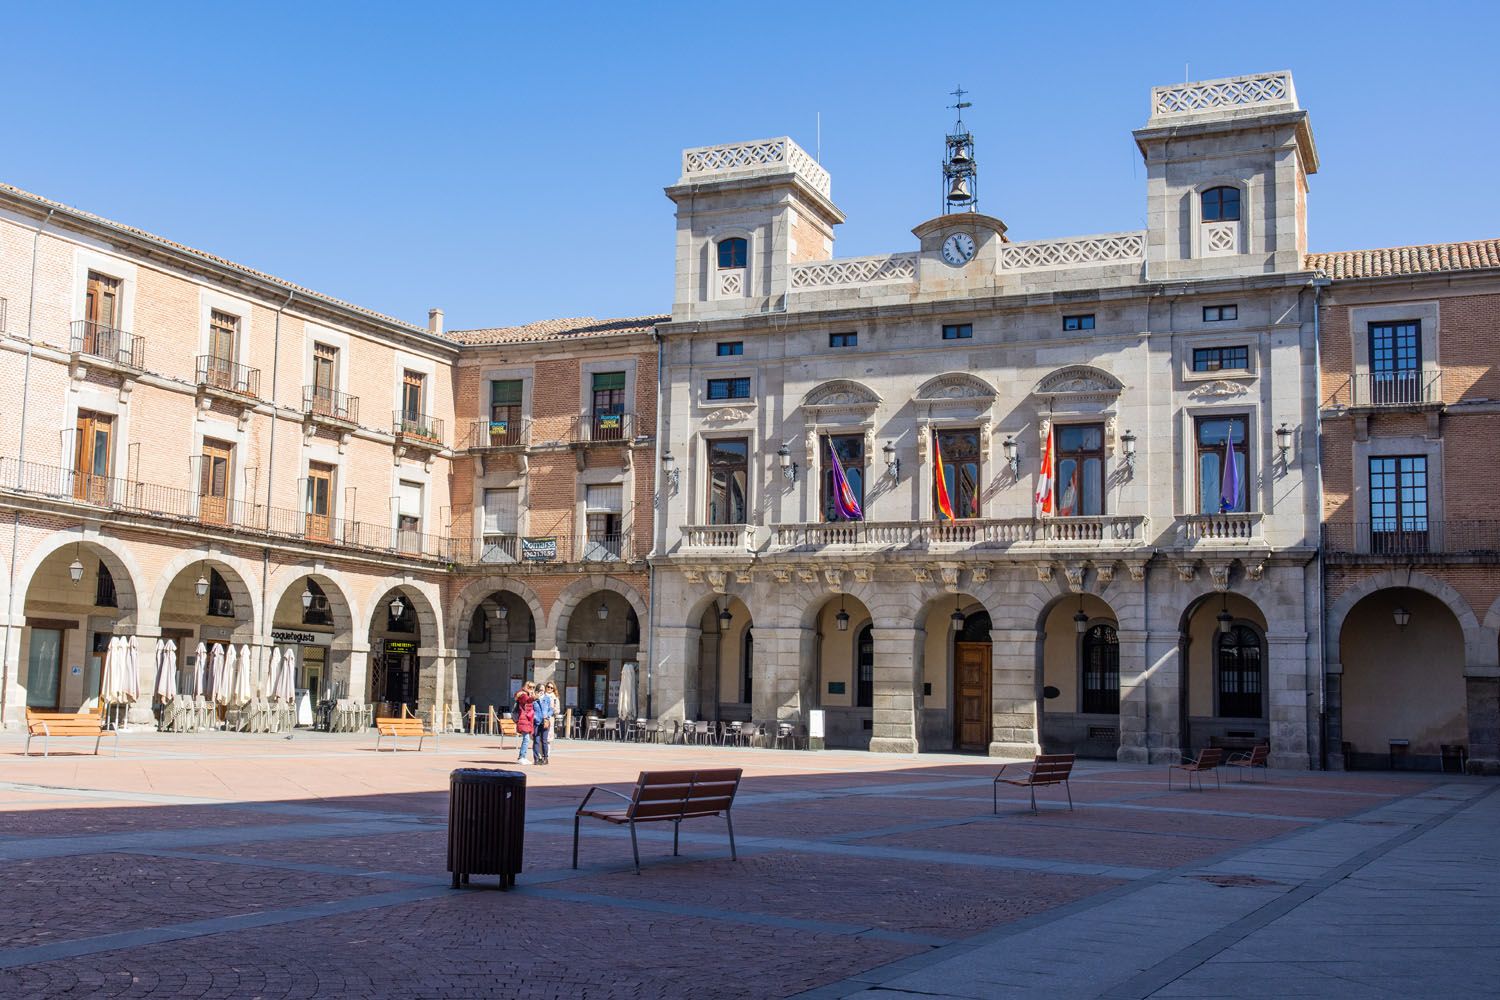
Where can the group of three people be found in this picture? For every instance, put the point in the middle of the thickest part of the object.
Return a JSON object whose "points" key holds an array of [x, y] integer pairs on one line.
{"points": [[536, 711]]}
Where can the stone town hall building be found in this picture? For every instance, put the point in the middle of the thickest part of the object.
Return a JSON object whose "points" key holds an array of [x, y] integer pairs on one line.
{"points": [[646, 506]]}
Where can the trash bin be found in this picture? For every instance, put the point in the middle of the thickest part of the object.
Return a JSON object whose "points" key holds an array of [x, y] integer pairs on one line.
{"points": [[486, 824], [1399, 750], [1455, 757]]}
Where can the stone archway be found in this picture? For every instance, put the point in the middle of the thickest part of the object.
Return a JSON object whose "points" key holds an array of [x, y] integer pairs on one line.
{"points": [[1079, 674], [1224, 696]]}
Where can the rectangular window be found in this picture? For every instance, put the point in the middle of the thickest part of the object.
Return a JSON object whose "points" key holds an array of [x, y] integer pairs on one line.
{"points": [[501, 526], [101, 314], [319, 501], [843, 340], [1398, 504], [609, 406], [214, 480], [505, 411], [223, 337], [960, 451], [411, 394], [1214, 359], [91, 457], [1396, 362], [1211, 433], [325, 379], [729, 388], [728, 481], [851, 452], [603, 510], [1080, 470], [1216, 314], [958, 331], [1083, 322], [730, 349], [408, 516]]}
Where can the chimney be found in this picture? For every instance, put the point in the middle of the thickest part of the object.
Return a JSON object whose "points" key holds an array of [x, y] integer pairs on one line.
{"points": [[435, 322]]}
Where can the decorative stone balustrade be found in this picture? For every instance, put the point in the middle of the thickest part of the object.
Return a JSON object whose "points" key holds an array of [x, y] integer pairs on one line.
{"points": [[1105, 248], [1108, 528], [898, 267], [1210, 529], [978, 533], [746, 157], [718, 536], [1231, 92]]}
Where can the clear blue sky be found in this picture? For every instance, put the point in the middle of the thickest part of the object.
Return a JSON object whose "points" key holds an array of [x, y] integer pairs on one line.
{"points": [[506, 162]]}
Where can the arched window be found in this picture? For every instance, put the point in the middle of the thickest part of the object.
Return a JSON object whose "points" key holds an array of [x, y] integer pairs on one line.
{"points": [[1221, 204], [747, 668], [104, 589], [632, 628], [733, 252], [220, 600], [976, 628], [864, 668], [1239, 662], [479, 627], [1101, 670]]}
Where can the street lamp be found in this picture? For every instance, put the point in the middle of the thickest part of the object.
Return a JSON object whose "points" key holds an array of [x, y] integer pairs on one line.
{"points": [[306, 598], [603, 611], [1127, 445], [1012, 454], [1283, 440], [75, 568], [788, 467], [1402, 617], [398, 607], [201, 587], [669, 469], [892, 463], [1225, 619], [1081, 620], [957, 618], [501, 611], [724, 616], [841, 620]]}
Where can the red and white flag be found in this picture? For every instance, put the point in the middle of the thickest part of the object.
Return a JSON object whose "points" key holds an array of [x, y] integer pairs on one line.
{"points": [[1044, 479]]}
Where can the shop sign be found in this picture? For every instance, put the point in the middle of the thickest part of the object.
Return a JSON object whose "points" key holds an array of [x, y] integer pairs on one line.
{"points": [[297, 638], [539, 549], [399, 646]]}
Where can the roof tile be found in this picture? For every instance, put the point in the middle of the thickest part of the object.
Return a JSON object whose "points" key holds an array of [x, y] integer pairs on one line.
{"points": [[1431, 258], [576, 328]]}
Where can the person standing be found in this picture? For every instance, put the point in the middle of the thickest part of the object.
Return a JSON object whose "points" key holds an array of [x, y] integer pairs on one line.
{"points": [[541, 742], [525, 719]]}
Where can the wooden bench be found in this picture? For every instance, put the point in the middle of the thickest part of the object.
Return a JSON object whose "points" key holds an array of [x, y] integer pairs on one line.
{"points": [[667, 796], [1209, 759], [1247, 762], [506, 727], [1046, 769], [396, 727], [50, 724]]}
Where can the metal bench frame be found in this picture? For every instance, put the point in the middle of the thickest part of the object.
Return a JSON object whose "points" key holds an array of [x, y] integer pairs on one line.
{"points": [[707, 785]]}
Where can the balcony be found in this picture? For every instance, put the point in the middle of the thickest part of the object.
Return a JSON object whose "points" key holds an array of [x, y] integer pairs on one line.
{"points": [[606, 548], [1412, 540], [1410, 390], [225, 379], [418, 430], [323, 405], [500, 435], [604, 428], [719, 537], [93, 343], [1220, 529], [219, 514], [975, 533]]}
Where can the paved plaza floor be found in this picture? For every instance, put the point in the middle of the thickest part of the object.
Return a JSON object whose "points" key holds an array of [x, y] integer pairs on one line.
{"points": [[225, 866]]}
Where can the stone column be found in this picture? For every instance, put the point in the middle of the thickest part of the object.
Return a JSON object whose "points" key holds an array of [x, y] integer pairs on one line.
{"points": [[1152, 732], [139, 713], [1333, 707], [674, 675], [1013, 691], [1287, 699], [782, 660], [1133, 693], [1482, 685], [549, 665], [897, 675], [12, 695], [356, 678]]}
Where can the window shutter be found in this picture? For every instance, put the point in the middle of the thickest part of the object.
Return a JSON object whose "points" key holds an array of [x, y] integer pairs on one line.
{"points": [[500, 512], [506, 392], [609, 380], [409, 499], [604, 498]]}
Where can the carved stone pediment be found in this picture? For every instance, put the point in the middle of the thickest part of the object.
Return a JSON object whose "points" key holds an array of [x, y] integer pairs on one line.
{"points": [[726, 415], [1219, 389], [957, 387], [842, 394], [1077, 381]]}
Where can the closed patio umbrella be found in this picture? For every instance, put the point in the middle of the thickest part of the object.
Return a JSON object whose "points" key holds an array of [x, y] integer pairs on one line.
{"points": [[626, 705], [273, 673], [196, 680], [218, 686], [166, 670], [287, 686], [130, 688], [107, 682], [243, 688]]}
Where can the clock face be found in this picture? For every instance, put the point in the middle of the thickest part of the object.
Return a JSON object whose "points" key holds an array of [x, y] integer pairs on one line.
{"points": [[958, 248]]}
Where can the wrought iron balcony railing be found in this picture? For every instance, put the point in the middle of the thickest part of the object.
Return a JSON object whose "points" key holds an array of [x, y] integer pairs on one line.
{"points": [[604, 428], [419, 427], [321, 401], [513, 433], [216, 373], [1412, 536], [1414, 388], [115, 346]]}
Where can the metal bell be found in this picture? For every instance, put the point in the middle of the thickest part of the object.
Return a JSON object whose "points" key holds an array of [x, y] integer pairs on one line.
{"points": [[961, 155], [959, 193]]}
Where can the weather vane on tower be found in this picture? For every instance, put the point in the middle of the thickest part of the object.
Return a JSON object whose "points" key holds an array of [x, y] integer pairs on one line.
{"points": [[960, 175]]}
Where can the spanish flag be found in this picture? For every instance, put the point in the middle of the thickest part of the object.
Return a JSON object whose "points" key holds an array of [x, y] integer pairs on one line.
{"points": [[944, 504]]}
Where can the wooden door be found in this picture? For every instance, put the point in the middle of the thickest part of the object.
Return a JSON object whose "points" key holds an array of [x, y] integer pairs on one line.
{"points": [[102, 314], [213, 485], [319, 500], [971, 675], [325, 361], [223, 331], [91, 457]]}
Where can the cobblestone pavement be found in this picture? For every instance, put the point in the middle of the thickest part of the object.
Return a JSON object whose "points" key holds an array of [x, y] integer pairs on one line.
{"points": [[226, 866]]}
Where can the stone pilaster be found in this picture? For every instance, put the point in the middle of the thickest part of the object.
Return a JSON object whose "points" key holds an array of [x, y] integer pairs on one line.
{"points": [[1133, 694], [1287, 698], [1483, 694], [783, 660], [1013, 692], [549, 665], [898, 657], [674, 676], [1152, 733]]}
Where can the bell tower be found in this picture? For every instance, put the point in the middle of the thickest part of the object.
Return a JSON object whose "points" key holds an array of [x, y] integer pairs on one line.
{"points": [[960, 172]]}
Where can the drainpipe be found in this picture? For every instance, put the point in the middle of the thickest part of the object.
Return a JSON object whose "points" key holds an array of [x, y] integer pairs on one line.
{"points": [[1319, 282], [658, 517], [15, 524], [268, 613]]}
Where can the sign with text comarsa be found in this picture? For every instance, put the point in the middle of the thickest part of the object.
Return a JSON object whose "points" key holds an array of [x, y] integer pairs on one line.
{"points": [[539, 549]]}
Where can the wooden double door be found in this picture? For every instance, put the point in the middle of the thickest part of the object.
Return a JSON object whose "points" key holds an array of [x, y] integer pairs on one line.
{"points": [[971, 697]]}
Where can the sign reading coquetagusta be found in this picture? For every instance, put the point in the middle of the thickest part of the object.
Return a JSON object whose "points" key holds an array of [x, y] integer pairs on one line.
{"points": [[298, 638]]}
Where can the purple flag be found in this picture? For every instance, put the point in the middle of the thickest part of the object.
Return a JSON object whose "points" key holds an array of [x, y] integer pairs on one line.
{"points": [[844, 503], [1229, 486]]}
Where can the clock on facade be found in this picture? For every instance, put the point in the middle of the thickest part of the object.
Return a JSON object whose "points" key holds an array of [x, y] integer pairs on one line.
{"points": [[958, 248]]}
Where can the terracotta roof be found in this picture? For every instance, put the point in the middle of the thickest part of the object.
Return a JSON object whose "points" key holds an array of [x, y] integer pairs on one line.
{"points": [[217, 260], [576, 328], [1395, 261]]}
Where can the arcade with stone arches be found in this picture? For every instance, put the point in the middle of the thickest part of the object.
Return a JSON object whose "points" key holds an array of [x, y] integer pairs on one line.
{"points": [[1136, 659]]}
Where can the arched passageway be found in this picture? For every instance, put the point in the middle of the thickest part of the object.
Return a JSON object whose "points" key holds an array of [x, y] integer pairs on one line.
{"points": [[402, 623], [500, 635], [957, 671], [601, 642], [69, 623], [1225, 697], [1078, 649], [844, 687]]}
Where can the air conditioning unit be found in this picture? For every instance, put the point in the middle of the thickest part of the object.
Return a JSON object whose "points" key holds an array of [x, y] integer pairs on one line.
{"points": [[221, 607], [319, 604]]}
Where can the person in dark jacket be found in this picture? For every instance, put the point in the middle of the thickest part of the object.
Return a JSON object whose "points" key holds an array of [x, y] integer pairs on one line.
{"points": [[525, 720]]}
